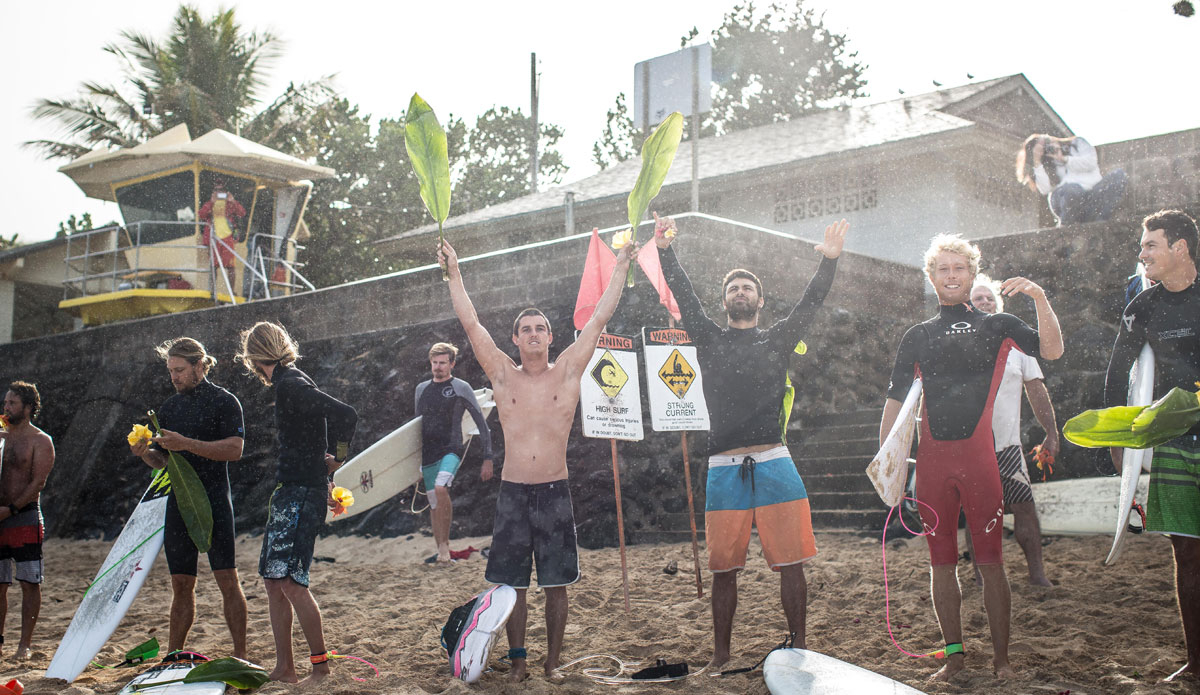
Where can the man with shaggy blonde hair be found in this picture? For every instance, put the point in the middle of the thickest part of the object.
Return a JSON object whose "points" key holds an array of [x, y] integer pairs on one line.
{"points": [[201, 422], [960, 356]]}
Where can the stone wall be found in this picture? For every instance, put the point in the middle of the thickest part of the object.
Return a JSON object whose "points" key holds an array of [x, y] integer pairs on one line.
{"points": [[366, 343]]}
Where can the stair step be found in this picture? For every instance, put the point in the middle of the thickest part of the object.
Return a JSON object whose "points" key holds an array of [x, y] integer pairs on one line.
{"points": [[860, 446], [835, 433], [824, 519], [858, 417]]}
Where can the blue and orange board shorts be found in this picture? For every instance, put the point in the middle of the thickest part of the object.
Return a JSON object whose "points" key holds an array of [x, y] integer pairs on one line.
{"points": [[762, 490]]}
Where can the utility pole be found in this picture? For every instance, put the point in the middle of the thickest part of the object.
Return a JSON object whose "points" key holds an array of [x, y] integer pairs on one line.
{"points": [[533, 111], [695, 129]]}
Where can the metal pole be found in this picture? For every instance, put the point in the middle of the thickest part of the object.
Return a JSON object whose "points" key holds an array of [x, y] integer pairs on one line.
{"points": [[620, 524], [695, 134], [687, 477], [645, 100], [533, 111]]}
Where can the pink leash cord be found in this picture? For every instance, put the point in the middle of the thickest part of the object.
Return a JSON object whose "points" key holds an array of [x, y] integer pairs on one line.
{"points": [[887, 606], [334, 655]]}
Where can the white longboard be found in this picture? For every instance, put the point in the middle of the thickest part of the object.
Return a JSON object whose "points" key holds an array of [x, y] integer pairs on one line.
{"points": [[115, 586], [1134, 461], [144, 682], [1079, 506], [801, 672], [393, 464], [888, 471]]}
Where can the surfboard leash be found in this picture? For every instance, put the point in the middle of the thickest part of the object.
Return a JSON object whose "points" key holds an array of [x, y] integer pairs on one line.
{"points": [[122, 559], [332, 653], [887, 599]]}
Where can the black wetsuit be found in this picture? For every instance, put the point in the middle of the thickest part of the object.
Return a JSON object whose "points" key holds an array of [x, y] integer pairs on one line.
{"points": [[208, 413], [1170, 322], [310, 423], [960, 354], [745, 369]]}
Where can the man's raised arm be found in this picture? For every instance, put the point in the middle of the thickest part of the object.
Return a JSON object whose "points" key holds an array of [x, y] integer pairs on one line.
{"points": [[490, 357], [578, 353]]}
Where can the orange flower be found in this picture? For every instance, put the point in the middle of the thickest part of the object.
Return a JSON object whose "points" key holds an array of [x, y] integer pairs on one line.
{"points": [[343, 499], [3, 422]]}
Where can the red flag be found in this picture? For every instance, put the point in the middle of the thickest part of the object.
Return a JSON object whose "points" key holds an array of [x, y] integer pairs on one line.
{"points": [[597, 270], [652, 267]]}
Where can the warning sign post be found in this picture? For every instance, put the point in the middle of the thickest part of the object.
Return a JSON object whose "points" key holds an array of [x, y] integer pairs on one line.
{"points": [[676, 389], [610, 398]]}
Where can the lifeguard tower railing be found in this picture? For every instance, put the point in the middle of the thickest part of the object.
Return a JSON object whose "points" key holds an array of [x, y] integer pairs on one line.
{"points": [[168, 256]]}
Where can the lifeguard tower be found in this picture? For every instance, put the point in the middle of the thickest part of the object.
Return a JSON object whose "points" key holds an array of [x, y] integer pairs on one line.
{"points": [[211, 221]]}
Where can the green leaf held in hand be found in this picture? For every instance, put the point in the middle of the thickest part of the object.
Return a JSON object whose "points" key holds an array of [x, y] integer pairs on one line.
{"points": [[190, 495], [1135, 427], [425, 141], [658, 153]]}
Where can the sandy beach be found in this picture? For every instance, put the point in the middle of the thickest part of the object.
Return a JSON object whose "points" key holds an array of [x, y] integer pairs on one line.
{"points": [[1111, 630]]}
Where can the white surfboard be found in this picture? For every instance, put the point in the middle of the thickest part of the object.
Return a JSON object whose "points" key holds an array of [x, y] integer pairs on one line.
{"points": [[802, 672], [1134, 461], [144, 682], [1080, 506], [115, 586], [888, 471], [393, 464]]}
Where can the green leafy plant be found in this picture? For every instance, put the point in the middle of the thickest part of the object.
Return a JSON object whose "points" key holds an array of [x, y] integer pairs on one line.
{"points": [[425, 141], [189, 492], [1136, 427], [229, 670], [658, 153]]}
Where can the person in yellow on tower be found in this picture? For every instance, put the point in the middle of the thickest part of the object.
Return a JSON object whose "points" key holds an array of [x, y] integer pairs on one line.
{"points": [[222, 214]]}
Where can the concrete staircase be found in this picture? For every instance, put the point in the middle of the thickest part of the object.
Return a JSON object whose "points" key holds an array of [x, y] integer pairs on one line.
{"points": [[832, 453]]}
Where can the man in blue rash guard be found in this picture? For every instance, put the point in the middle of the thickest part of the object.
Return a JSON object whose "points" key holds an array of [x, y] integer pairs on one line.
{"points": [[440, 402]]}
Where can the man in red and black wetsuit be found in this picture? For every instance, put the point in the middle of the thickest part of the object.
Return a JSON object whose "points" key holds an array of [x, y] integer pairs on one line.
{"points": [[960, 356]]}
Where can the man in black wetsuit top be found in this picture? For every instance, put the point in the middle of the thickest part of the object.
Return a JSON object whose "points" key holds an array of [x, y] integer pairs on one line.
{"points": [[440, 402], [960, 356], [752, 480], [203, 423], [1168, 317]]}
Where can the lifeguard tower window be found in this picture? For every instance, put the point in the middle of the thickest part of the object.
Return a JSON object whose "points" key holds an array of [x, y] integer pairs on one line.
{"points": [[164, 199], [264, 213]]}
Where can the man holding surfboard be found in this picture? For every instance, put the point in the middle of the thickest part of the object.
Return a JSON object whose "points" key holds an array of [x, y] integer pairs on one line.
{"points": [[440, 402], [960, 356], [537, 400], [28, 456], [203, 423], [1167, 316], [751, 477]]}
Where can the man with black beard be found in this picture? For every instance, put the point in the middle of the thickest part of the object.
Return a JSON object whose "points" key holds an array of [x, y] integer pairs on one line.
{"points": [[752, 480]]}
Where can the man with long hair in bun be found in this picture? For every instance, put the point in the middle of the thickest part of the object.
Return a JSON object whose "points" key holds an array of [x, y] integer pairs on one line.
{"points": [[314, 431], [201, 422]]}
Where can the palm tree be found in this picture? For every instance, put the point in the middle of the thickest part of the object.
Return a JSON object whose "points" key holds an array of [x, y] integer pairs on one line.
{"points": [[207, 74]]}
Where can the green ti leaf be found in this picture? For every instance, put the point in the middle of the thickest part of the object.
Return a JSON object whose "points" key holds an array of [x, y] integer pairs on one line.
{"points": [[425, 141], [1135, 427], [789, 397], [658, 153], [190, 495], [229, 670]]}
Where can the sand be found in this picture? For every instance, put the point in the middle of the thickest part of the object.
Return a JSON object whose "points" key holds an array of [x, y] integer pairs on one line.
{"points": [[1112, 630]]}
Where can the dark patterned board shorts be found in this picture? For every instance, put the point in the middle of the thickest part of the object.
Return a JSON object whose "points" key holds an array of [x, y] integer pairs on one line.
{"points": [[533, 523], [1014, 475], [294, 515]]}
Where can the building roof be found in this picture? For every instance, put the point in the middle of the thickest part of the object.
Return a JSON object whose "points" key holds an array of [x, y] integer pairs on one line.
{"points": [[822, 133]]}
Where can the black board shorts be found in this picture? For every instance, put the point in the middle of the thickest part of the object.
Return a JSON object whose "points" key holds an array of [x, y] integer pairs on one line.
{"points": [[182, 554], [294, 516], [533, 523]]}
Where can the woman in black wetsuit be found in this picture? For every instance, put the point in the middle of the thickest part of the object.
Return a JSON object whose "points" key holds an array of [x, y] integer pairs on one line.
{"points": [[314, 431]]}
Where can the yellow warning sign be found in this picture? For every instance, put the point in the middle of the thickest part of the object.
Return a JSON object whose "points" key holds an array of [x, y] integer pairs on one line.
{"points": [[608, 375], [677, 374]]}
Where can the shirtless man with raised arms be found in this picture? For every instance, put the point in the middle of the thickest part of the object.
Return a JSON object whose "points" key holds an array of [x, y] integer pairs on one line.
{"points": [[536, 400]]}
